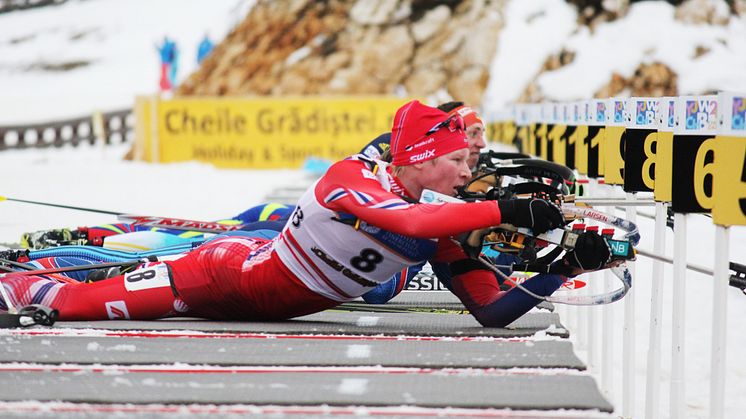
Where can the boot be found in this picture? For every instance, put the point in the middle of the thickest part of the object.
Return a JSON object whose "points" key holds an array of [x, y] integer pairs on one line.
{"points": [[43, 239]]}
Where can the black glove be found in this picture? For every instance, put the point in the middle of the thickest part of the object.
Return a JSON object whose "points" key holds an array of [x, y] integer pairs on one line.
{"points": [[591, 252], [537, 214], [471, 242]]}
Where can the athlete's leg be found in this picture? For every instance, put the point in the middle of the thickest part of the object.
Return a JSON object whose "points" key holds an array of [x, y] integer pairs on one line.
{"points": [[265, 212], [64, 262], [241, 278], [114, 298]]}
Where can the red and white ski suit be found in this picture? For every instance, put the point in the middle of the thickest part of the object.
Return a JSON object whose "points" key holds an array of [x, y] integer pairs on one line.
{"points": [[350, 231]]}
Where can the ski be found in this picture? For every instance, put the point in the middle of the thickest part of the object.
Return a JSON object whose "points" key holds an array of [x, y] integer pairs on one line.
{"points": [[180, 223], [396, 308]]}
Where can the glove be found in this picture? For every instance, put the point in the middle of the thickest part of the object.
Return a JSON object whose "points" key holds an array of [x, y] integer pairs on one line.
{"points": [[472, 242], [537, 214], [591, 252]]}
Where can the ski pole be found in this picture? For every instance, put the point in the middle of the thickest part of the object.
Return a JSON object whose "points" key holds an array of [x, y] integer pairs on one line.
{"points": [[76, 268], [17, 264], [49, 204], [146, 220], [28, 268]]}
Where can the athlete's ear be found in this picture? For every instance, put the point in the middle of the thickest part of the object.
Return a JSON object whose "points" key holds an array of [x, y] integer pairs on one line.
{"points": [[422, 165]]}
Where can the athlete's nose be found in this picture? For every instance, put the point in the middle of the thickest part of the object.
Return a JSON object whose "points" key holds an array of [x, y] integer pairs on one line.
{"points": [[465, 171]]}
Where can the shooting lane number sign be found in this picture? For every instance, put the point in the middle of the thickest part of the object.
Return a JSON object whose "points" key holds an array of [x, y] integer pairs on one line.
{"points": [[729, 195], [641, 138], [696, 120]]}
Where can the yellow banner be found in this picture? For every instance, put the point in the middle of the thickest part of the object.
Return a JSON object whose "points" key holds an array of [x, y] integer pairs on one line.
{"points": [[261, 133]]}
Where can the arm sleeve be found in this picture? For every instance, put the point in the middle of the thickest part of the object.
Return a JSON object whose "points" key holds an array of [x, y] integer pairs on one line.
{"points": [[347, 187], [382, 293], [481, 294]]}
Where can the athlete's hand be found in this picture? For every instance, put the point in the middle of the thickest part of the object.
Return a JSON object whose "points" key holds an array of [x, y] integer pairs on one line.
{"points": [[537, 214], [472, 242], [591, 252]]}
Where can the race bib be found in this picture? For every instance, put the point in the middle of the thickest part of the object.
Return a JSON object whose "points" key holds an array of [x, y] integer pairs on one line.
{"points": [[155, 276]]}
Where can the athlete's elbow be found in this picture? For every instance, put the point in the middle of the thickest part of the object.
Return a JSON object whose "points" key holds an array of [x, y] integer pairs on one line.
{"points": [[487, 319], [415, 229]]}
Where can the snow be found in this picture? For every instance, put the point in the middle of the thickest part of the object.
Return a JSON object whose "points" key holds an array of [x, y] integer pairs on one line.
{"points": [[61, 409], [533, 30], [647, 34], [95, 177], [119, 39]]}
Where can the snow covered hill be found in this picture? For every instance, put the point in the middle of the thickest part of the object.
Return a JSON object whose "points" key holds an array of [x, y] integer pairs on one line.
{"points": [[648, 33], [84, 56]]}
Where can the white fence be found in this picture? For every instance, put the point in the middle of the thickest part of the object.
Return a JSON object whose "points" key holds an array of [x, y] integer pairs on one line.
{"points": [[109, 128]]}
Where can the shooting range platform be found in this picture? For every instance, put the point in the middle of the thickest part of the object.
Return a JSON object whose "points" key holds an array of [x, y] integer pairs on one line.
{"points": [[418, 356]]}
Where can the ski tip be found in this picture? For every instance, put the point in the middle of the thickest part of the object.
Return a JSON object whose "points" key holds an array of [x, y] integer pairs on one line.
{"points": [[3, 198]]}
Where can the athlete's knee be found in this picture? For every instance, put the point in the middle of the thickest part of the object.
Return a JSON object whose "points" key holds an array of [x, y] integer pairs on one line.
{"points": [[22, 290]]}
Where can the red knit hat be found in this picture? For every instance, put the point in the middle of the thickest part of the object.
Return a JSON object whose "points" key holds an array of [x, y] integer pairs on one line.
{"points": [[423, 133], [470, 115]]}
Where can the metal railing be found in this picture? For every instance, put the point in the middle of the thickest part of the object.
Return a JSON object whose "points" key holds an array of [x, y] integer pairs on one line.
{"points": [[11, 5], [111, 127]]}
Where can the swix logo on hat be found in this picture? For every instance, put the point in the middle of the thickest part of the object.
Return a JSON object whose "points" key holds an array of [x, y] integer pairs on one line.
{"points": [[416, 125], [117, 310], [428, 154]]}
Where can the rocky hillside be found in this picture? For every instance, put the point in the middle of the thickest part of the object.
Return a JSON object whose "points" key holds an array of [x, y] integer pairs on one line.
{"points": [[437, 49], [441, 49]]}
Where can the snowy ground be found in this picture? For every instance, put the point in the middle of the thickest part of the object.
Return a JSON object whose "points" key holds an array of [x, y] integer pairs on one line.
{"points": [[97, 178]]}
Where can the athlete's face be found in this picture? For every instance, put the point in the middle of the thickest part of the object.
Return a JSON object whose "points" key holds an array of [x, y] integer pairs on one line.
{"points": [[475, 137], [446, 173]]}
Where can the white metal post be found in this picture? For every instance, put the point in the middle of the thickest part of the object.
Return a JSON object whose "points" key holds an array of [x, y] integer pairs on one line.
{"points": [[628, 356], [582, 316], [678, 389], [572, 318], [719, 321], [607, 332], [652, 385], [592, 326], [592, 330], [594, 284]]}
